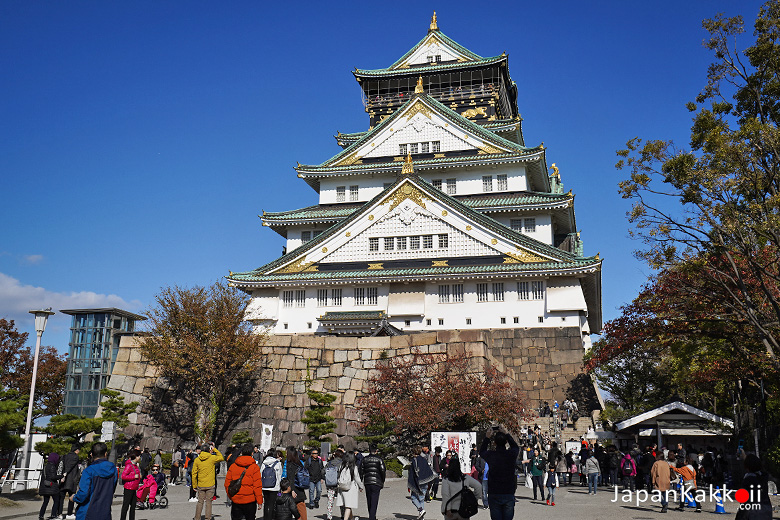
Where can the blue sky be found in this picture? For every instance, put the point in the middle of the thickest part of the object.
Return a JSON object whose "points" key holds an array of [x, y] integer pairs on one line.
{"points": [[140, 140]]}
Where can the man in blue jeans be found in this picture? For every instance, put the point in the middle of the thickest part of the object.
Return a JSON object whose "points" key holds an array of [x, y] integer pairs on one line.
{"points": [[503, 481], [316, 470]]}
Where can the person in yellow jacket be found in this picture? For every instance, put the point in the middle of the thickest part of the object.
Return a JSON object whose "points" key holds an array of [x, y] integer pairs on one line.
{"points": [[204, 477]]}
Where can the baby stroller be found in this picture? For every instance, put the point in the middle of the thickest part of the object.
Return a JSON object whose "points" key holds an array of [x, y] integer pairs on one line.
{"points": [[161, 501]]}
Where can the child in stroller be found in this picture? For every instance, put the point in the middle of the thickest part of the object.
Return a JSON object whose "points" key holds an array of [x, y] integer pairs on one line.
{"points": [[151, 493]]}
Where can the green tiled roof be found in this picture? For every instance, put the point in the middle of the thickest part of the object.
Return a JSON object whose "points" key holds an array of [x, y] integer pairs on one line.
{"points": [[433, 67], [254, 276], [445, 39], [477, 202], [353, 316], [445, 111], [561, 257]]}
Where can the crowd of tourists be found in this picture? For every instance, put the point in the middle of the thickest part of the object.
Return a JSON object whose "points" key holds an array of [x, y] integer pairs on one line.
{"points": [[284, 484]]}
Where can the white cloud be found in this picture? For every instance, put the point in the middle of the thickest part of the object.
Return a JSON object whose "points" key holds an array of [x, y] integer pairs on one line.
{"points": [[17, 299], [33, 259]]}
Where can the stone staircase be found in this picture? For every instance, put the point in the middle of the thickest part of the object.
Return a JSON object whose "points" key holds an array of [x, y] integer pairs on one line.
{"points": [[571, 431]]}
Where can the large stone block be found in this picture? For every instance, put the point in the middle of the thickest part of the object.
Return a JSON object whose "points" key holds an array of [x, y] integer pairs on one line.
{"points": [[400, 341], [423, 338], [337, 369], [350, 372], [344, 383], [340, 356], [340, 343], [307, 341], [288, 361]]}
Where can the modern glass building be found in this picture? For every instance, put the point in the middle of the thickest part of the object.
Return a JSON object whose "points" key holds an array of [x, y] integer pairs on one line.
{"points": [[94, 343]]}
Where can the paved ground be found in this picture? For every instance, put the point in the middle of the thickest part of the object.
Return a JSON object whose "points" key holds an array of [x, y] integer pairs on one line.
{"points": [[394, 504]]}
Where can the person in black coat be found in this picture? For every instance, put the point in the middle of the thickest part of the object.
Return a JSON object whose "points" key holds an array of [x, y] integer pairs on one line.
{"points": [[50, 486], [372, 473], [294, 464], [316, 469], [72, 473], [285, 504]]}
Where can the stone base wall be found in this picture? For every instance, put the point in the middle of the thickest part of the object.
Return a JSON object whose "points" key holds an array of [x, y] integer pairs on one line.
{"points": [[545, 363]]}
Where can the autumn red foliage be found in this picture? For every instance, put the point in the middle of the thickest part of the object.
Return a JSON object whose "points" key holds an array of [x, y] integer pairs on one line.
{"points": [[420, 393]]}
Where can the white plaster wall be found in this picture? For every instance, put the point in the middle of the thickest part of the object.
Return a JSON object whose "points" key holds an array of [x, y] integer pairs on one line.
{"points": [[431, 48], [469, 181], [544, 228], [483, 315]]}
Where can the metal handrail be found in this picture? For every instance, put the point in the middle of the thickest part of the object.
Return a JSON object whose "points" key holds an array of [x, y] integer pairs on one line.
{"points": [[458, 93]]}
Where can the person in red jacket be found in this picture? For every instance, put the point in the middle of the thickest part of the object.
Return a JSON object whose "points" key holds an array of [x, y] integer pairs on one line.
{"points": [[131, 478], [250, 495]]}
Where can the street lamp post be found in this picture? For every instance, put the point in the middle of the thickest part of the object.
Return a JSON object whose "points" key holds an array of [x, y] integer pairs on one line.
{"points": [[41, 317]]}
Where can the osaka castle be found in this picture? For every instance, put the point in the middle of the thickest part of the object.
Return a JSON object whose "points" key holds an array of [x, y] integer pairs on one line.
{"points": [[438, 216]]}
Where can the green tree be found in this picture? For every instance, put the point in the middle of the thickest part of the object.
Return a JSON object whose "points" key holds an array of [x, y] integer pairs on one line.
{"points": [[243, 437], [13, 415], [200, 342], [726, 228], [318, 419]]}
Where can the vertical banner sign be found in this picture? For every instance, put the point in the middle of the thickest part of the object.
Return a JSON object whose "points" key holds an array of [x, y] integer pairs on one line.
{"points": [[459, 442], [265, 439]]}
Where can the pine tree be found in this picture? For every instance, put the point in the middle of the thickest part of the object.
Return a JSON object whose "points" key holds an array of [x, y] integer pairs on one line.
{"points": [[318, 418]]}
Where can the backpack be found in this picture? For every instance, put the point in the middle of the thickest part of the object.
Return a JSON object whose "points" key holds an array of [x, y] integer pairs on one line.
{"points": [[626, 467], [345, 480], [302, 478], [268, 476], [235, 486], [468, 502], [331, 475]]}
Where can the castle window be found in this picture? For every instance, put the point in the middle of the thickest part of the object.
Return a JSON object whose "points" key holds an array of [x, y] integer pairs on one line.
{"points": [[353, 193], [537, 289], [516, 319], [322, 297], [285, 326], [316, 233], [530, 225], [340, 193], [435, 146], [428, 321], [516, 224], [468, 321], [482, 292], [373, 244], [444, 241], [451, 183], [430, 59], [498, 292], [372, 295], [402, 149], [389, 241], [438, 58], [436, 184], [401, 243], [457, 293], [287, 298], [408, 323], [360, 296], [425, 147], [441, 321], [413, 148], [309, 324], [541, 319], [427, 241], [300, 298], [444, 294], [305, 236], [501, 181], [414, 242], [335, 296], [487, 183], [503, 321]]}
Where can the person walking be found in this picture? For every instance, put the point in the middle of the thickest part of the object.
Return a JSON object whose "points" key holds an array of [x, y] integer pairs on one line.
{"points": [[628, 470], [189, 461], [503, 481], [453, 481], [176, 462], [70, 481], [420, 475], [294, 465], [284, 503], [373, 473], [561, 469], [131, 481], [146, 460], [436, 465], [49, 488], [96, 486], [551, 484], [688, 474], [157, 461], [250, 494], [271, 475], [660, 477], [316, 470], [332, 479], [759, 504], [592, 470], [538, 467], [350, 485], [204, 477]]}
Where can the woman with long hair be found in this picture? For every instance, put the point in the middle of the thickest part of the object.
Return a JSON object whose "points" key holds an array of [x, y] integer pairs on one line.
{"points": [[294, 464], [350, 485], [452, 482]]}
